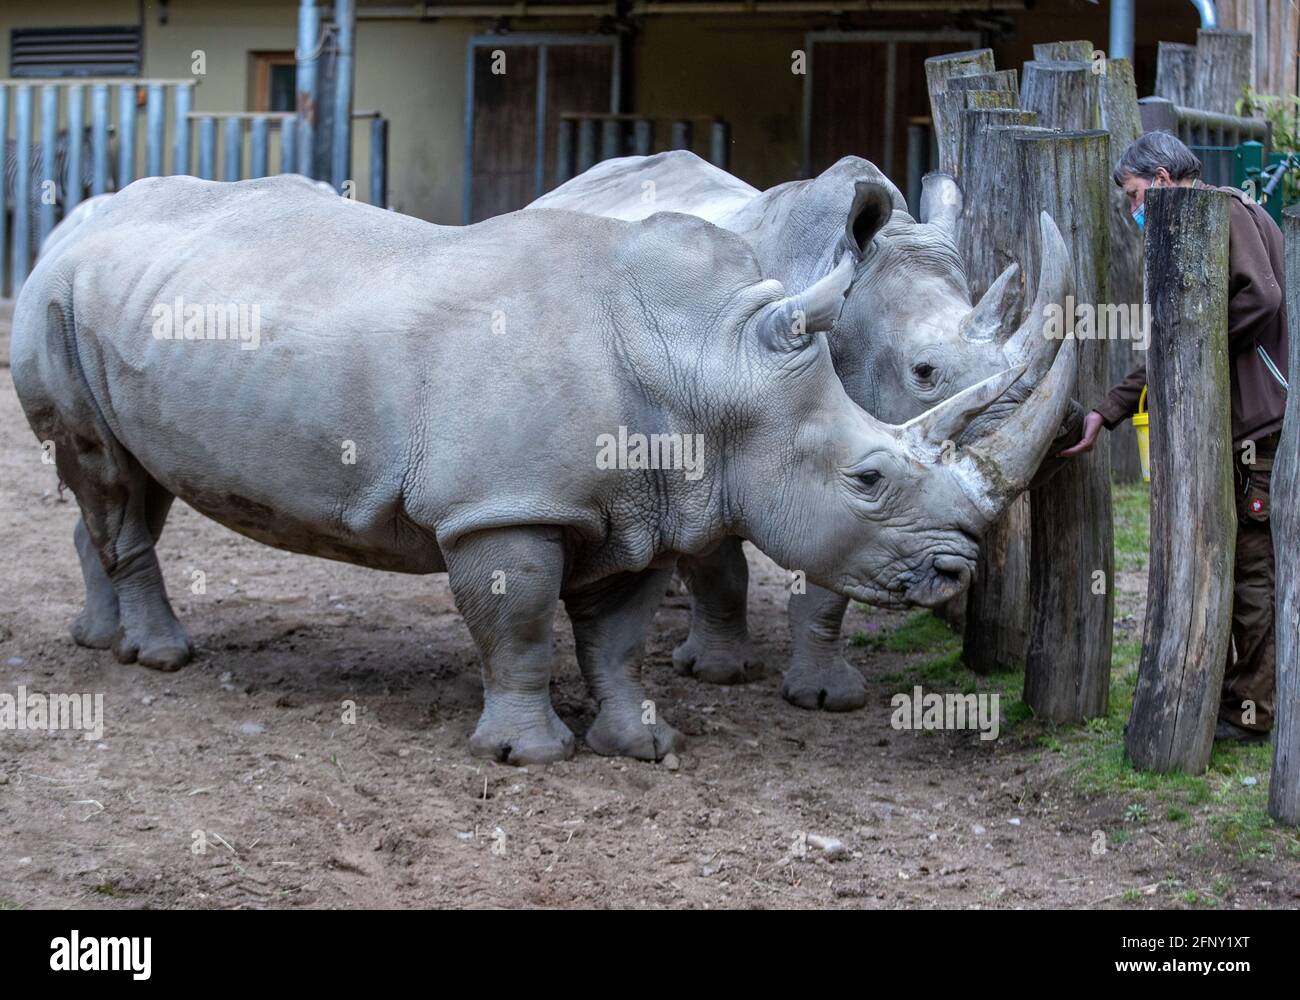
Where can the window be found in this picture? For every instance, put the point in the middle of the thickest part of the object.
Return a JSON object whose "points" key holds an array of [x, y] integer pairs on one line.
{"points": [[51, 52], [274, 86]]}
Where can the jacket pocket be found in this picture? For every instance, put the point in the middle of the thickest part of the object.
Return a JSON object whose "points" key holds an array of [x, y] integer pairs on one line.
{"points": [[1253, 497]]}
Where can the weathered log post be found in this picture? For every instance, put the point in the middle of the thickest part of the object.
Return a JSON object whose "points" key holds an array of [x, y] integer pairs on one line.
{"points": [[1065, 94], [1223, 69], [1077, 51], [1284, 788], [946, 109], [1193, 523], [1121, 118], [1067, 670], [997, 211], [1176, 73]]}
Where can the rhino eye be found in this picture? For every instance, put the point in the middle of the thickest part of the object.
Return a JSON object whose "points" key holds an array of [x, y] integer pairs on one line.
{"points": [[923, 371], [870, 479]]}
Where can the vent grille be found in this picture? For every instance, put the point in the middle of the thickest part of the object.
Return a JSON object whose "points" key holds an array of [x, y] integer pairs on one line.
{"points": [[112, 51]]}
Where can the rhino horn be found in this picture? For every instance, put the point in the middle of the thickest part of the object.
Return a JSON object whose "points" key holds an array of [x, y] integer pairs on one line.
{"points": [[941, 425], [1030, 344], [995, 317], [941, 202]]}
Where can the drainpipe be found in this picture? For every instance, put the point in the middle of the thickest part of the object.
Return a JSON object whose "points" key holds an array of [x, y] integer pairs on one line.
{"points": [[1121, 29], [345, 14], [308, 39], [1209, 16]]}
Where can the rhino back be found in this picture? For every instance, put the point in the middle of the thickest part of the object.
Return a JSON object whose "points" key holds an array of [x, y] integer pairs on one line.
{"points": [[468, 369], [635, 187]]}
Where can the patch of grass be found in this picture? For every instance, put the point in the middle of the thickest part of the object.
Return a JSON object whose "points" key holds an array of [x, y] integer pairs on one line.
{"points": [[9, 904], [106, 889], [1131, 895], [919, 633], [1132, 525]]}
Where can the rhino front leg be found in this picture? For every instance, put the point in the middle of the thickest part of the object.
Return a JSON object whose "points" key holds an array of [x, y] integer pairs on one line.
{"points": [[819, 676], [718, 649], [506, 583], [609, 628]]}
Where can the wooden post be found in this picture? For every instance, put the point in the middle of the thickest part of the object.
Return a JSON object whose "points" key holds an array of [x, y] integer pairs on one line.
{"points": [[987, 196], [997, 211], [1223, 70], [1121, 118], [1067, 670], [1068, 51], [999, 80], [1284, 789], [946, 109], [1065, 94], [1193, 521], [1176, 73]]}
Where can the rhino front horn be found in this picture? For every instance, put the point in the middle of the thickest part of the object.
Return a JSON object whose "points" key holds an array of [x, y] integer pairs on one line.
{"points": [[1030, 345]]}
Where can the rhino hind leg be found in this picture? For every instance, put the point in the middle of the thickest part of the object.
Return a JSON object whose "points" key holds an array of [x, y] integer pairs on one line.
{"points": [[819, 677], [718, 649], [506, 582], [609, 627], [96, 626]]}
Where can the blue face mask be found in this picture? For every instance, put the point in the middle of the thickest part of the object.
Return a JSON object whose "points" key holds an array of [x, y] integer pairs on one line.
{"points": [[1140, 216]]}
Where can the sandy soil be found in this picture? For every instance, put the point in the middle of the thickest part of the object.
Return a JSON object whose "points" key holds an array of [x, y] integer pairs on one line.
{"points": [[244, 754]]}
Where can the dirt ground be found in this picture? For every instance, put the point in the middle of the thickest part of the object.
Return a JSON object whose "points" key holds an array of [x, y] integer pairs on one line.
{"points": [[243, 754]]}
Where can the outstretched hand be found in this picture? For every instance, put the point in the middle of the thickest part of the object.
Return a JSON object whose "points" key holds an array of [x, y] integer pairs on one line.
{"points": [[1092, 425]]}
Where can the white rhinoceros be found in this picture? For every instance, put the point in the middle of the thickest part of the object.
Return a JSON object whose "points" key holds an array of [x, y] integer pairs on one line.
{"points": [[424, 399], [908, 337]]}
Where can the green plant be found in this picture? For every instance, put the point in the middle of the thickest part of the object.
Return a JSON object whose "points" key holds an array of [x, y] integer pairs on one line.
{"points": [[1284, 113]]}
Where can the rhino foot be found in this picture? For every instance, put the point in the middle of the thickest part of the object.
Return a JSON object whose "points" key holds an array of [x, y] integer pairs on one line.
{"points": [[165, 649], [719, 661], [619, 732], [95, 629], [518, 734], [830, 686]]}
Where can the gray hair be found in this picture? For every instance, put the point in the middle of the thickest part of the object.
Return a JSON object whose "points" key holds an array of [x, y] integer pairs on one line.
{"points": [[1148, 153]]}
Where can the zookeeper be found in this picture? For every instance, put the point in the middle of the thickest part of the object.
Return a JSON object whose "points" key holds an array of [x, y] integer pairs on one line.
{"points": [[1258, 352]]}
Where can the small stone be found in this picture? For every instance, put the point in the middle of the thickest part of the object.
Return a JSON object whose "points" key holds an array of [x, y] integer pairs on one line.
{"points": [[147, 700], [533, 851], [226, 677], [671, 762], [1014, 821], [977, 830], [252, 728], [15, 661], [830, 848], [1250, 780]]}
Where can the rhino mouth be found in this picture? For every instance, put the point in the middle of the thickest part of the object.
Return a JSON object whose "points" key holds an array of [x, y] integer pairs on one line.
{"points": [[943, 579]]}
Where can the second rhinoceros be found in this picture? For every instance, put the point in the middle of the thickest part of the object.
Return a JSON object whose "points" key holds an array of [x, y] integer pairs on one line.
{"points": [[425, 399], [909, 336]]}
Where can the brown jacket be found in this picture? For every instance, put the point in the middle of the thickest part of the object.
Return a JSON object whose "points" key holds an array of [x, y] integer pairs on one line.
{"points": [[1257, 336]]}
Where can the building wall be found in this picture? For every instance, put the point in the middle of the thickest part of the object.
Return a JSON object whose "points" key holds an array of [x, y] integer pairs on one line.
{"points": [[738, 68]]}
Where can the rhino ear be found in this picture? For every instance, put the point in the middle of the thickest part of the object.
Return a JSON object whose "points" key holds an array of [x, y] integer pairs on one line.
{"points": [[789, 323], [873, 204]]}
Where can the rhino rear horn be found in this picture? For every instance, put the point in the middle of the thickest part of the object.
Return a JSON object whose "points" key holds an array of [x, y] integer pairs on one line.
{"points": [[995, 317], [941, 202]]}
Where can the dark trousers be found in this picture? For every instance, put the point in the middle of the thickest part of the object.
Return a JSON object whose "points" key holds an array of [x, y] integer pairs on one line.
{"points": [[1248, 681]]}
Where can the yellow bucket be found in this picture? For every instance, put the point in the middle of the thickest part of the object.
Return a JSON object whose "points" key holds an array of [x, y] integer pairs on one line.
{"points": [[1141, 420]]}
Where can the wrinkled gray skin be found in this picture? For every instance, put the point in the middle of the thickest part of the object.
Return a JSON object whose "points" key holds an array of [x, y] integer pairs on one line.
{"points": [[475, 448], [908, 337]]}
